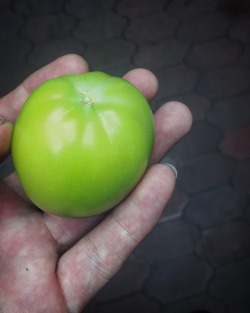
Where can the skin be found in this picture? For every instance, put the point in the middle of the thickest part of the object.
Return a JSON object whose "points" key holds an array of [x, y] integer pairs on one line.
{"points": [[66, 261]]}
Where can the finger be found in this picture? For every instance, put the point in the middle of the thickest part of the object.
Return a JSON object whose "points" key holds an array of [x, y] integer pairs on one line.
{"points": [[172, 121], [144, 80], [67, 231], [11, 104], [5, 139], [88, 265]]}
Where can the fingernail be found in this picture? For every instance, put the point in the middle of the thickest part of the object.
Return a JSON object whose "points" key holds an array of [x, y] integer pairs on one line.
{"points": [[172, 167]]}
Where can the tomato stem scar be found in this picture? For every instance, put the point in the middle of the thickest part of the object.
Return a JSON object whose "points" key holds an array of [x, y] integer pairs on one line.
{"points": [[86, 98]]}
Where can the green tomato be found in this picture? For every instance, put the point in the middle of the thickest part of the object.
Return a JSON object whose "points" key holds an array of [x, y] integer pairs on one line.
{"points": [[81, 143]]}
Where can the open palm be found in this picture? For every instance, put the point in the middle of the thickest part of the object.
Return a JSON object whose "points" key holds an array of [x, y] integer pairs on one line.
{"points": [[54, 264]]}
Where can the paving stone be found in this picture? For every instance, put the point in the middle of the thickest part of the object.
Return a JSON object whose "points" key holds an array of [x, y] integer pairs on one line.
{"points": [[214, 54], [174, 208], [139, 8], [169, 52], [176, 80], [241, 31], [133, 304], [237, 9], [231, 113], [216, 206], [203, 172], [236, 143], [10, 23], [184, 8], [46, 6], [201, 303], [151, 29], [241, 176], [168, 240], [197, 104], [247, 212], [245, 58], [241, 307], [231, 282], [129, 280], [110, 53], [203, 27], [22, 6], [178, 278], [13, 62], [224, 82], [89, 8], [45, 52], [49, 27], [118, 70], [225, 244], [100, 28], [91, 307], [4, 4], [194, 144]]}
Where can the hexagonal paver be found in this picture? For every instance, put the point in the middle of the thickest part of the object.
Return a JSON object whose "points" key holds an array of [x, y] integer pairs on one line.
{"points": [[13, 62], [197, 104], [175, 80], [231, 282], [245, 58], [203, 27], [193, 143], [224, 82], [241, 31], [236, 143], [45, 52], [185, 9], [216, 206], [241, 307], [213, 54], [139, 8], [204, 172], [100, 28], [110, 53], [10, 23], [49, 27], [44, 7], [202, 303], [127, 281], [178, 278], [166, 53], [231, 112], [168, 240], [133, 304], [241, 176], [225, 244], [89, 8], [151, 29], [247, 212]]}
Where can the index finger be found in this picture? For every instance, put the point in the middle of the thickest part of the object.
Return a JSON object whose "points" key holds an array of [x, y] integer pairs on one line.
{"points": [[11, 104]]}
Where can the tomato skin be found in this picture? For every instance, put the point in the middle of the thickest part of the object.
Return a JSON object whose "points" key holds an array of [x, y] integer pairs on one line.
{"points": [[81, 143]]}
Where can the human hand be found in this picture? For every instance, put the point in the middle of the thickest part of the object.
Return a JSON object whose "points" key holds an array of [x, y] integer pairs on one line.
{"points": [[54, 264]]}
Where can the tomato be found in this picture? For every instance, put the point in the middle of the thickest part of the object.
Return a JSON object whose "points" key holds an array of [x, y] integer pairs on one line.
{"points": [[81, 143]]}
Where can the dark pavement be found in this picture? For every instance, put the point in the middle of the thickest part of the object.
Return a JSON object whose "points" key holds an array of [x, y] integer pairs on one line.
{"points": [[197, 259]]}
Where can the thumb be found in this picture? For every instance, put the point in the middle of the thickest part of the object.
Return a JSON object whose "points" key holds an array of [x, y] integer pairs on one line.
{"points": [[5, 139]]}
